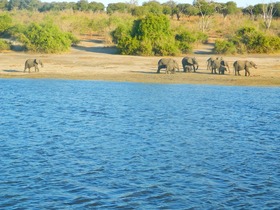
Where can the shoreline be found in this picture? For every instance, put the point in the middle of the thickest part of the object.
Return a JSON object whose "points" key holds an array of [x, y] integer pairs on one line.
{"points": [[161, 79]]}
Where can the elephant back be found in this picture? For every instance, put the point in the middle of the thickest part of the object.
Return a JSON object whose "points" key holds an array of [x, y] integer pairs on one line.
{"points": [[187, 61]]}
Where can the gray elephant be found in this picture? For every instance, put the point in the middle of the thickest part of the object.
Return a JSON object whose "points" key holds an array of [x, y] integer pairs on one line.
{"points": [[220, 65], [224, 67], [243, 65], [32, 63], [210, 61], [169, 64], [189, 63]]}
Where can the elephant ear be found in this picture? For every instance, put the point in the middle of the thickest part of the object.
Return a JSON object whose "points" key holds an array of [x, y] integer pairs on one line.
{"points": [[190, 60], [35, 61]]}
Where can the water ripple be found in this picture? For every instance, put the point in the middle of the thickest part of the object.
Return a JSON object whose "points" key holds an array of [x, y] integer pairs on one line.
{"points": [[102, 145]]}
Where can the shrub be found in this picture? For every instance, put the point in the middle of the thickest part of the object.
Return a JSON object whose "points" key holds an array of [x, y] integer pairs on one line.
{"points": [[46, 38], [224, 47], [255, 41], [5, 22], [186, 40], [4, 45], [147, 36], [248, 40], [185, 36]]}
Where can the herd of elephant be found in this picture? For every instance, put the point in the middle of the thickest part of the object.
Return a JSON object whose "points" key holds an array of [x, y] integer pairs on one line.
{"points": [[215, 64]]}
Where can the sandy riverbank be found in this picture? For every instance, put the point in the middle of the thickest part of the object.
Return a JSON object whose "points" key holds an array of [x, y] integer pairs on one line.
{"points": [[91, 60]]}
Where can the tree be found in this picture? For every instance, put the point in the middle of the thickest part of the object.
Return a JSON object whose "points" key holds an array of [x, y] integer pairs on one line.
{"points": [[118, 7], [150, 35], [268, 12], [277, 9], [229, 8], [154, 7], [187, 9], [206, 10], [139, 11], [14, 5], [171, 9], [3, 4], [258, 9], [45, 38], [82, 5], [5, 22]]}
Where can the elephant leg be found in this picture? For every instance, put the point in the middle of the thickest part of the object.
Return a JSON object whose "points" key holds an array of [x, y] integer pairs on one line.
{"points": [[167, 71], [193, 68], [158, 71], [214, 71], [247, 72]]}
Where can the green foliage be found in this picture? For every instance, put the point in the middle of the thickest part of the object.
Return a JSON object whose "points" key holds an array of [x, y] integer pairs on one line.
{"points": [[186, 36], [5, 22], [147, 36], [205, 8], [46, 38], [186, 39], [120, 33], [4, 45], [140, 11], [153, 7], [256, 41], [249, 40], [187, 9], [152, 27], [224, 47], [118, 7], [229, 8]]}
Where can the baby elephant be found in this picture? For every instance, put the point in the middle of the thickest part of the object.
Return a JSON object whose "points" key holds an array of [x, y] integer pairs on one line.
{"points": [[32, 63]]}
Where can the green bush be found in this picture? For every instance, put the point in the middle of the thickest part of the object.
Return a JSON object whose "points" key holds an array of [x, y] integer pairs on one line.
{"points": [[5, 22], [46, 38], [186, 40], [252, 41], [248, 40], [185, 36], [150, 35], [4, 45], [224, 47]]}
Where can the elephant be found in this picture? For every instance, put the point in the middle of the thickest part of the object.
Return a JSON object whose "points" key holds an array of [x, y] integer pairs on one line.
{"points": [[188, 68], [189, 63], [32, 63], [220, 65], [210, 61], [170, 64], [243, 65], [224, 67]]}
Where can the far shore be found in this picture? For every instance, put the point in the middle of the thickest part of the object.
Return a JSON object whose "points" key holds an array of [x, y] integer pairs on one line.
{"points": [[93, 61]]}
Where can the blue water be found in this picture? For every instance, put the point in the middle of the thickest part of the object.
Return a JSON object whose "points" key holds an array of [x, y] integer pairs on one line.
{"points": [[105, 145]]}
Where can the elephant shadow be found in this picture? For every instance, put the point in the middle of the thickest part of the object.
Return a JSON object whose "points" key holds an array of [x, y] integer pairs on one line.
{"points": [[12, 70], [144, 72]]}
